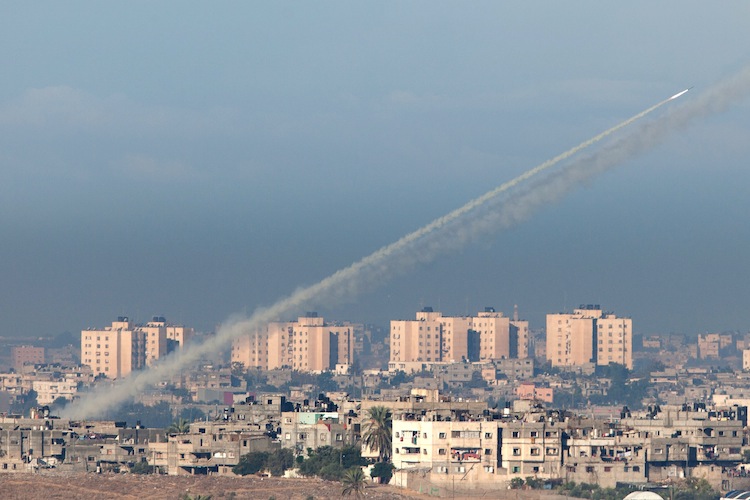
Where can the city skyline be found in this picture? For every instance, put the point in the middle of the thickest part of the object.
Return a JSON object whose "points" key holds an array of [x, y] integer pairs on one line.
{"points": [[204, 178]]}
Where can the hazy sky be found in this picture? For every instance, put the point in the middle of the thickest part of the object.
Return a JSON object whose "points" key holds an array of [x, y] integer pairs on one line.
{"points": [[194, 160]]}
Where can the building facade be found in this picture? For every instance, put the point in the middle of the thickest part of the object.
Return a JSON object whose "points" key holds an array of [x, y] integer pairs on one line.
{"points": [[589, 337], [26, 355], [308, 344], [434, 338], [123, 347]]}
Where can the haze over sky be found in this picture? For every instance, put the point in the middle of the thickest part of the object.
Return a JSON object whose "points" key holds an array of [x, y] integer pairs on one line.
{"points": [[194, 160]]}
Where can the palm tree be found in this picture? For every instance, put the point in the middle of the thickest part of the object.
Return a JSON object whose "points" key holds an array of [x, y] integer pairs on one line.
{"points": [[180, 426], [378, 429], [354, 482]]}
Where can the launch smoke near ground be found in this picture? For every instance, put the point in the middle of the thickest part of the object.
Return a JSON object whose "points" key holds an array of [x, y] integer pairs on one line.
{"points": [[500, 208]]}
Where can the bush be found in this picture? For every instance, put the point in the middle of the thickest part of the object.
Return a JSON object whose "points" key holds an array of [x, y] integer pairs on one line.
{"points": [[142, 468], [516, 483]]}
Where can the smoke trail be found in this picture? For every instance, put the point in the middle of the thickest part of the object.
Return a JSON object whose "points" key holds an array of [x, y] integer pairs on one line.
{"points": [[489, 212]]}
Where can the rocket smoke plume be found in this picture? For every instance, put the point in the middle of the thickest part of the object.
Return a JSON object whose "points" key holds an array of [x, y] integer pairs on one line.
{"points": [[500, 208]]}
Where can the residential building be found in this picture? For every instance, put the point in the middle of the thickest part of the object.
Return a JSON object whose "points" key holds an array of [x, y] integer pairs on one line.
{"points": [[434, 338], [114, 351], [26, 355], [614, 341], [308, 344], [123, 347], [589, 337]]}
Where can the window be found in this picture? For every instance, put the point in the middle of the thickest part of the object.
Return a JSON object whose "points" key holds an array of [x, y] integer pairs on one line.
{"points": [[441, 451], [441, 435], [514, 434], [534, 451], [516, 452]]}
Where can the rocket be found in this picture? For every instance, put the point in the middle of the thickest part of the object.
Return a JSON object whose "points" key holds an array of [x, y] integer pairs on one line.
{"points": [[679, 94]]}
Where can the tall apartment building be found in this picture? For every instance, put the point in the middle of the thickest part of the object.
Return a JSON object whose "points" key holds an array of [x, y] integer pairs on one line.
{"points": [[163, 338], [114, 351], [588, 336], [420, 339], [308, 344], [432, 337], [614, 341], [26, 355], [498, 336], [123, 347]]}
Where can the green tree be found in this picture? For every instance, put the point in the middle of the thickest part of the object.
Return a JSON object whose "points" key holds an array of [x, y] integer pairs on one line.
{"points": [[476, 382], [329, 463], [695, 489], [378, 431], [354, 482], [180, 426], [534, 483], [325, 383], [383, 472], [192, 414], [279, 461], [251, 463]]}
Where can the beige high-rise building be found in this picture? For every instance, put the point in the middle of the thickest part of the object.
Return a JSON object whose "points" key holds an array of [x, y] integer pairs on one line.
{"points": [[156, 339], [499, 337], [123, 347], [519, 330], [308, 344], [432, 337], [587, 336], [252, 349], [114, 351], [26, 355], [455, 344], [420, 339], [179, 334], [318, 346], [614, 341], [746, 359]]}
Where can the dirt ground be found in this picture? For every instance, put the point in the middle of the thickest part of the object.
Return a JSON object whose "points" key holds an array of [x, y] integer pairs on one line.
{"points": [[89, 486], [54, 485]]}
